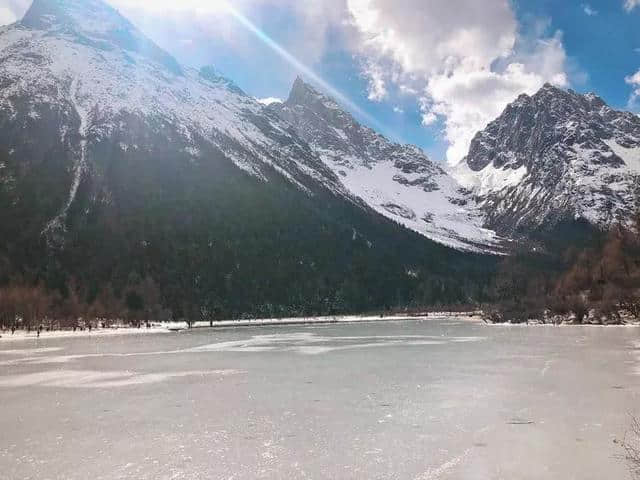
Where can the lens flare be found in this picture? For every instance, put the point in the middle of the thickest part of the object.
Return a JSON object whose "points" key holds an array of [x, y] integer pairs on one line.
{"points": [[224, 7]]}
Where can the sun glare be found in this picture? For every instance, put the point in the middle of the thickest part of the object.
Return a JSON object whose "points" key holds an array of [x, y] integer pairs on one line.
{"points": [[197, 6], [226, 8]]}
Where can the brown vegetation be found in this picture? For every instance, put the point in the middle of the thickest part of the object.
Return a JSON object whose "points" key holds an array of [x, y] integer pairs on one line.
{"points": [[597, 284], [30, 307], [604, 281]]}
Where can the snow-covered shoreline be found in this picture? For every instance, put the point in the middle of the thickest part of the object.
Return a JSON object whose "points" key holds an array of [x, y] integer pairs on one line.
{"points": [[172, 327], [169, 327]]}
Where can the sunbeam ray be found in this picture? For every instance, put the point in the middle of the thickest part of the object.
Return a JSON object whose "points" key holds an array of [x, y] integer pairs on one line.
{"points": [[303, 69]]}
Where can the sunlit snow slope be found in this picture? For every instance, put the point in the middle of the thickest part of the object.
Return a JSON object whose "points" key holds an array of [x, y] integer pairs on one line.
{"points": [[398, 181], [82, 66]]}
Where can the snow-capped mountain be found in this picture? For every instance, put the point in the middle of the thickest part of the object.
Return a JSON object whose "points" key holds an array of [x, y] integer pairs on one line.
{"points": [[553, 156], [78, 66], [118, 164], [397, 181]]}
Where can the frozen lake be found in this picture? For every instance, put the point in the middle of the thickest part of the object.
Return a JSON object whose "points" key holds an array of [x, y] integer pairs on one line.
{"points": [[431, 399]]}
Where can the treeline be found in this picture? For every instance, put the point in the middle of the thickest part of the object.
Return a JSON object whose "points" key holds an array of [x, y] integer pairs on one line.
{"points": [[77, 305], [31, 307], [597, 282]]}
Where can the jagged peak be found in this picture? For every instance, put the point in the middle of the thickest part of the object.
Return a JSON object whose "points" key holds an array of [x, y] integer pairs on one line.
{"points": [[95, 23], [299, 85], [550, 87], [549, 94], [550, 90], [303, 93], [546, 90]]}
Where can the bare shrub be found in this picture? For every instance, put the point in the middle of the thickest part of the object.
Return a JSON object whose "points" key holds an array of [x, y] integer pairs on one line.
{"points": [[631, 446]]}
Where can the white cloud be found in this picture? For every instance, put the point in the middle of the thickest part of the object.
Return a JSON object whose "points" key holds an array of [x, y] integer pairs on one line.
{"points": [[305, 36], [429, 118], [6, 16], [376, 79], [398, 110], [424, 36], [634, 81], [12, 10], [589, 10], [269, 100], [466, 59], [631, 4]]}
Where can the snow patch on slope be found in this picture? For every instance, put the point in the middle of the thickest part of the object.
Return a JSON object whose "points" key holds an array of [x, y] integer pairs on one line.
{"points": [[81, 162], [269, 100], [630, 156], [489, 179], [430, 213]]}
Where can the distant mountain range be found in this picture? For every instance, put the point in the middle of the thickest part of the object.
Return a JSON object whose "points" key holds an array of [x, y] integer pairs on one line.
{"points": [[117, 162]]}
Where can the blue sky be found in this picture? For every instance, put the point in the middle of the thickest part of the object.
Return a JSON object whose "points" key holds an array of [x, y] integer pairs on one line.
{"points": [[605, 45], [429, 73]]}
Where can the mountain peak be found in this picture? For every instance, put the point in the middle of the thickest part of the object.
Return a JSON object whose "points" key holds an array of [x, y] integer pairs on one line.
{"points": [[45, 14], [595, 100], [302, 92], [555, 156], [305, 94], [551, 94], [97, 24], [550, 89]]}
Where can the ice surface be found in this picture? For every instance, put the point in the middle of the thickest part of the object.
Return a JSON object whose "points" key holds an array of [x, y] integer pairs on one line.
{"points": [[433, 399]]}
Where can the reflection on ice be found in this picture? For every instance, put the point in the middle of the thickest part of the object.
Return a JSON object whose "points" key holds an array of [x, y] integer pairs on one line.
{"points": [[95, 379], [304, 343], [30, 351], [311, 344]]}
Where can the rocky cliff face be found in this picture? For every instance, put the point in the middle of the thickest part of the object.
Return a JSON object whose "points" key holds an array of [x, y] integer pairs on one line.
{"points": [[555, 156]]}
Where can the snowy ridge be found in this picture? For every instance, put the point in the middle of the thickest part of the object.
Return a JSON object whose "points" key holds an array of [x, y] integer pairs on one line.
{"points": [[556, 155], [489, 179], [397, 181], [44, 66]]}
